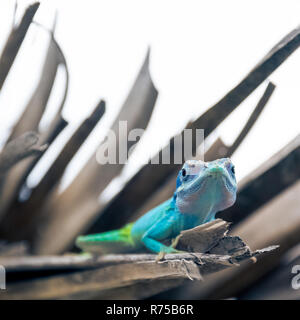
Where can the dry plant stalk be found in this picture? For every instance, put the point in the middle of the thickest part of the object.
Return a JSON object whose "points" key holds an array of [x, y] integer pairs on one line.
{"points": [[121, 276]]}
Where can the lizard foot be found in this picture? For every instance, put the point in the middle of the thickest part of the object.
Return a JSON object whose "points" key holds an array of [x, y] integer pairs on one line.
{"points": [[160, 256], [85, 254], [175, 241]]}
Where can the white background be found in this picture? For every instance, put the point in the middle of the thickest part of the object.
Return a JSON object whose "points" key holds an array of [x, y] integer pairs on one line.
{"points": [[199, 51]]}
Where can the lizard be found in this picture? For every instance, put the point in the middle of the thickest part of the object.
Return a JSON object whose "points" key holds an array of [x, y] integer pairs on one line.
{"points": [[202, 190]]}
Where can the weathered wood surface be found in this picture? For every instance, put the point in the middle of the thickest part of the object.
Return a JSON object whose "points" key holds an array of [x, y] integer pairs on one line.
{"points": [[77, 262], [121, 275], [96, 282], [277, 222], [72, 211], [14, 42]]}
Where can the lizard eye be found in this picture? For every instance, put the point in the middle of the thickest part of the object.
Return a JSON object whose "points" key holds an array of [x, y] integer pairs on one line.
{"points": [[183, 172], [233, 169]]}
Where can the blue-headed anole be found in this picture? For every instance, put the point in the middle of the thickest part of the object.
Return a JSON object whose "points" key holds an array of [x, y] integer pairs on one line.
{"points": [[202, 190]]}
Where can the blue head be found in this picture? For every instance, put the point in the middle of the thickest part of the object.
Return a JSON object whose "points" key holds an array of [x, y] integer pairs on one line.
{"points": [[205, 187]]}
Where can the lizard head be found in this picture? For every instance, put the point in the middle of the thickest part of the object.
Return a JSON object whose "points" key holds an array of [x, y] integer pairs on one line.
{"points": [[206, 186]]}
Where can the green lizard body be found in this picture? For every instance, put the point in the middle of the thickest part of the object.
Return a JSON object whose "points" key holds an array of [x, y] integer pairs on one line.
{"points": [[202, 189]]}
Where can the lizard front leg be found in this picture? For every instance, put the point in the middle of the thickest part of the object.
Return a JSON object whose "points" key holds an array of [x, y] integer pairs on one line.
{"points": [[161, 230]]}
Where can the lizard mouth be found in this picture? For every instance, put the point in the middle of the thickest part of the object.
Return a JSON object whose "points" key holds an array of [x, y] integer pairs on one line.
{"points": [[221, 174]]}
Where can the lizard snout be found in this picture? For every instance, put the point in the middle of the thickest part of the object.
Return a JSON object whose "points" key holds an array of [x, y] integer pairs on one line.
{"points": [[215, 171]]}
